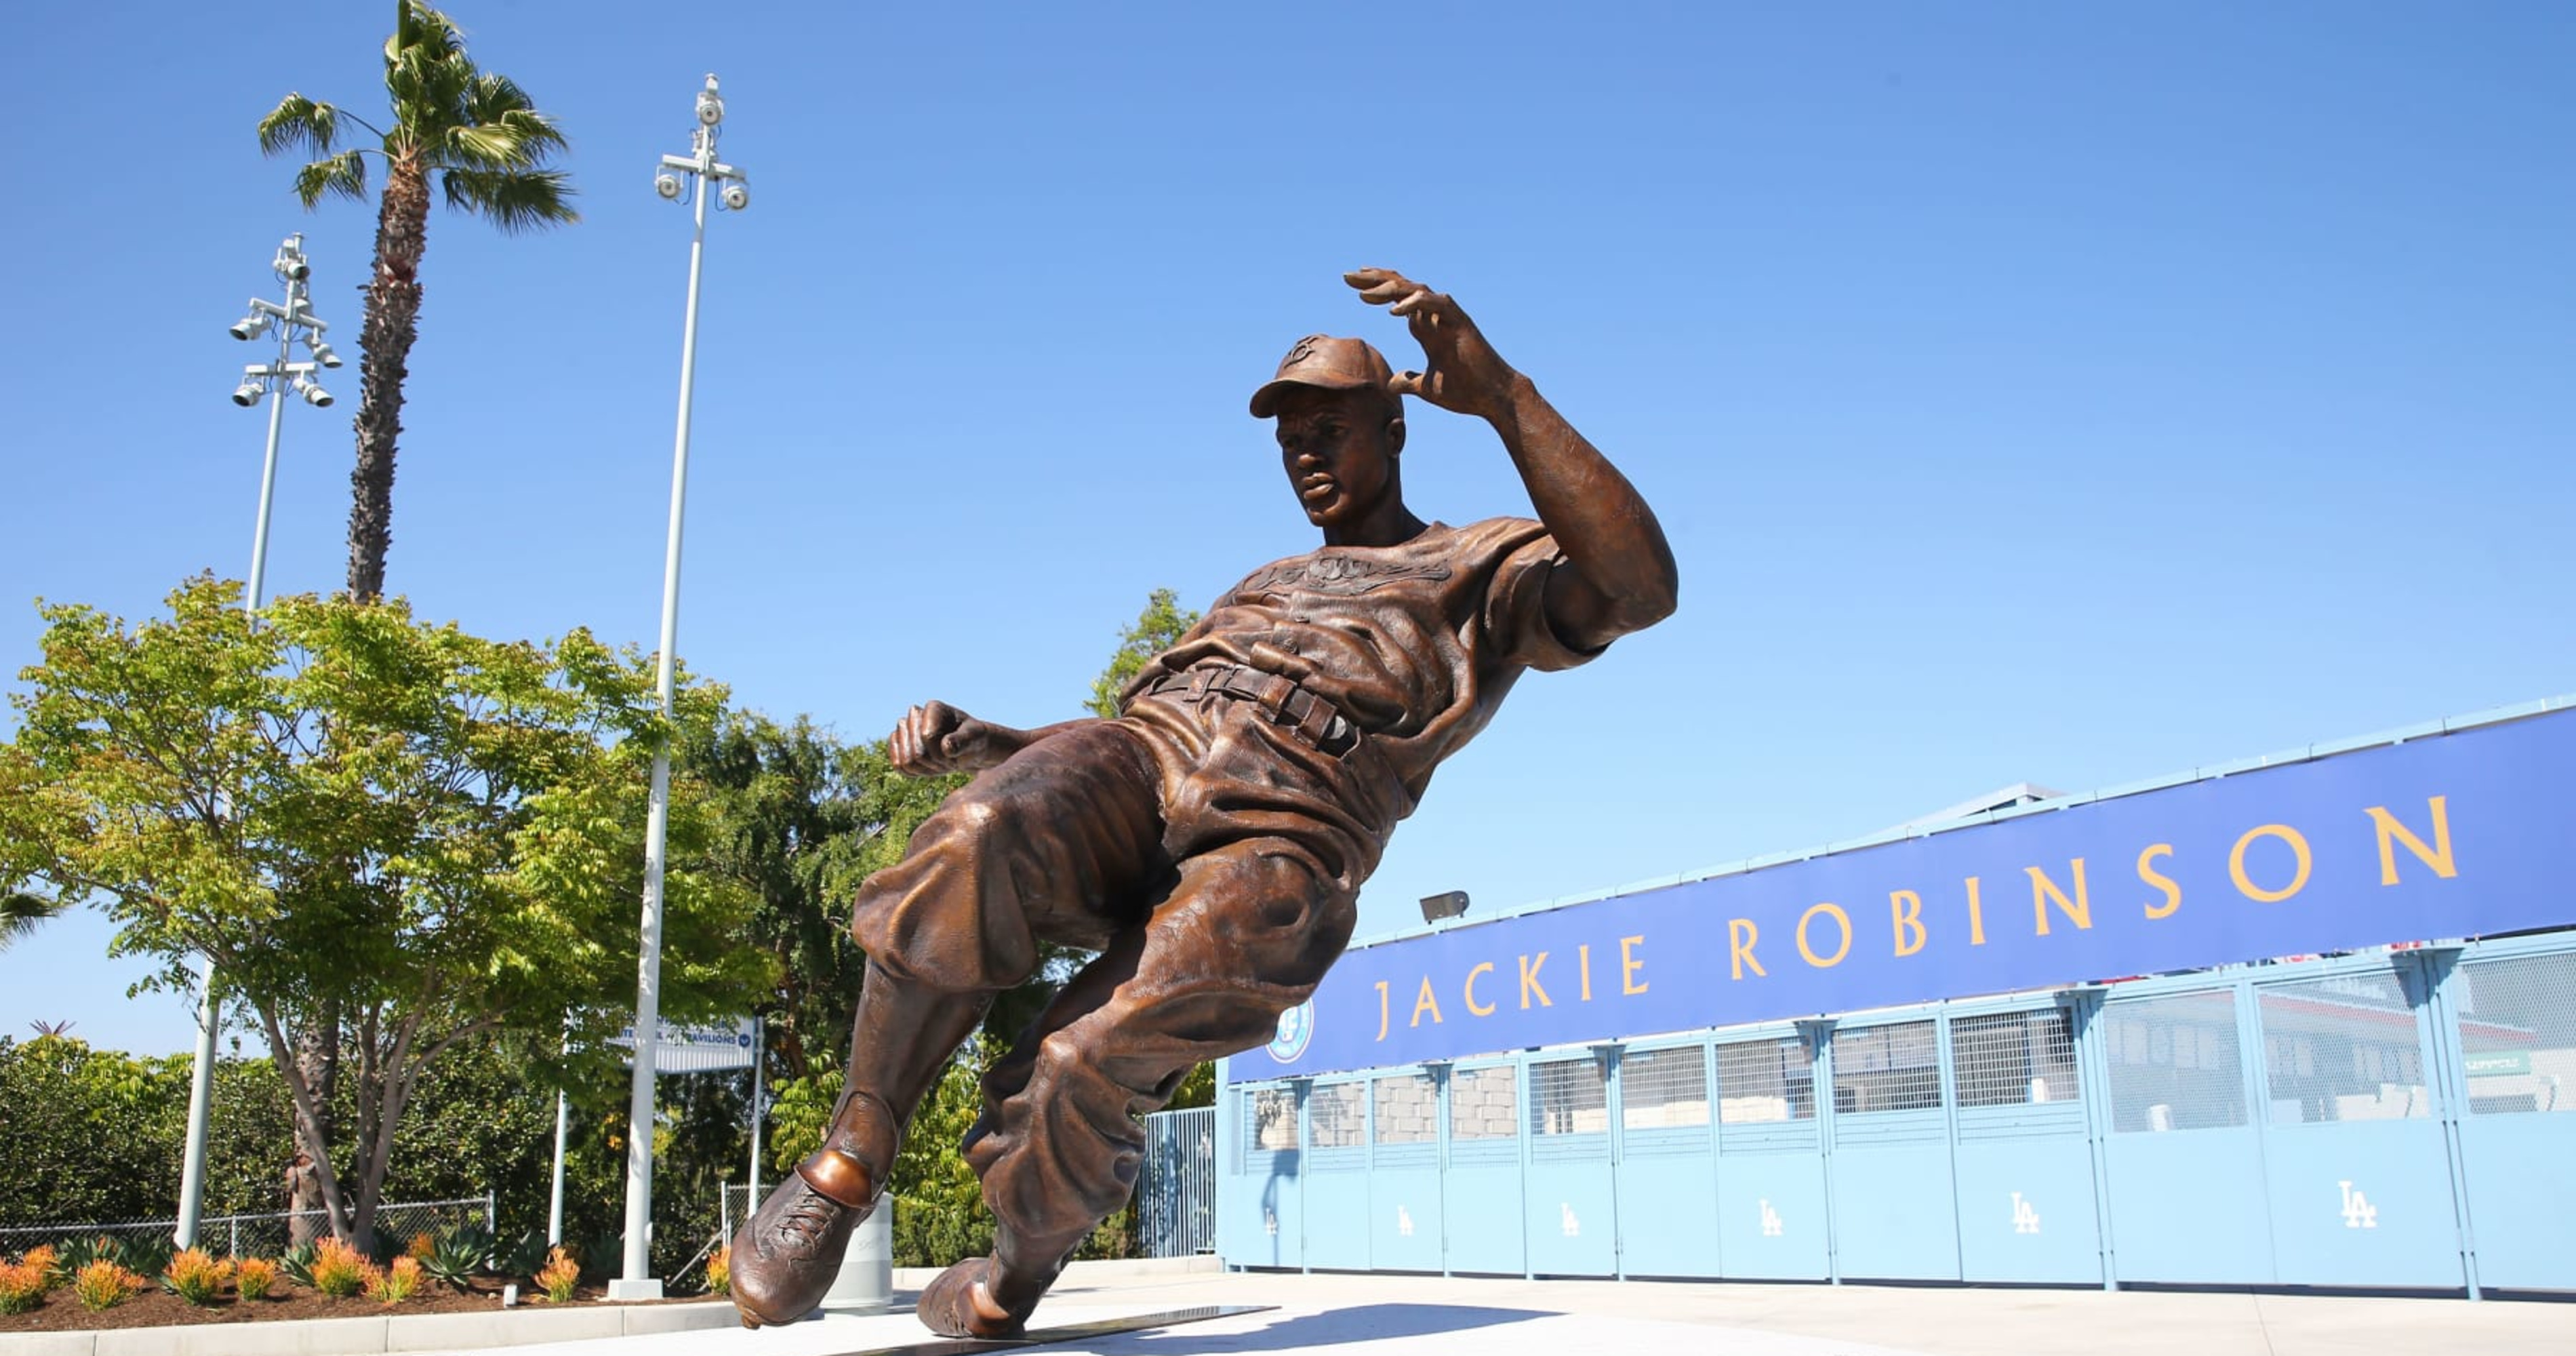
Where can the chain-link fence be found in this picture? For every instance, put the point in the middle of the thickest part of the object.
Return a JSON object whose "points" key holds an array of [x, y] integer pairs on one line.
{"points": [[268, 1235], [1176, 1193]]}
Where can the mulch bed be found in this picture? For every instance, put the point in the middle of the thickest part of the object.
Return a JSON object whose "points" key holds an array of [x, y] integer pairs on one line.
{"points": [[158, 1308]]}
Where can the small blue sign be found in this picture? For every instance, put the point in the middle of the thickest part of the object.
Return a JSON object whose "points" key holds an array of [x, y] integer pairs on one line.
{"points": [[1296, 1028]]}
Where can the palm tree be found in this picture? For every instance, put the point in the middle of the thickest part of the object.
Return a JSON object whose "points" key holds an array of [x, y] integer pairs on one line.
{"points": [[488, 146], [20, 913]]}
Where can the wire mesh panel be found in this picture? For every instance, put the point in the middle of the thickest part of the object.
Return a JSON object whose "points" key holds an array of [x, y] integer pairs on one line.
{"points": [[1484, 1104], [1887, 1068], [2518, 1034], [262, 1235], [1408, 1109], [2342, 1048], [1569, 1097], [2013, 1058], [2174, 1062], [1662, 1089], [1269, 1121], [1766, 1080], [1336, 1116]]}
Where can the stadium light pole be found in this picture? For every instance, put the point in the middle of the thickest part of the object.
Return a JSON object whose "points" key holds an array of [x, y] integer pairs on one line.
{"points": [[705, 177], [270, 380]]}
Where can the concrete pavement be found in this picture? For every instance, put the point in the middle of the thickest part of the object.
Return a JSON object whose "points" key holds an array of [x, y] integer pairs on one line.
{"points": [[1434, 1316]]}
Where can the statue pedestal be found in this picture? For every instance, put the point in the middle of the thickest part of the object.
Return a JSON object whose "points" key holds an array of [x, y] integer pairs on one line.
{"points": [[865, 1282]]}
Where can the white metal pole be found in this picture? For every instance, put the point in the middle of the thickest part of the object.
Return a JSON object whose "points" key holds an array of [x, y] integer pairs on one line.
{"points": [[759, 1045], [554, 1211], [637, 1281], [201, 1081]]}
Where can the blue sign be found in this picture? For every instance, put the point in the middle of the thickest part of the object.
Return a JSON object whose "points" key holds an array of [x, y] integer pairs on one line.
{"points": [[2457, 835]]}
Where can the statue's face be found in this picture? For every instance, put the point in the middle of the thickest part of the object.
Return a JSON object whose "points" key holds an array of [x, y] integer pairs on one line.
{"points": [[1339, 449]]}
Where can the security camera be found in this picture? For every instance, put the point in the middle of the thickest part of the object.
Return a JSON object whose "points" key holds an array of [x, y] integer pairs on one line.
{"points": [[247, 394], [736, 197], [667, 185]]}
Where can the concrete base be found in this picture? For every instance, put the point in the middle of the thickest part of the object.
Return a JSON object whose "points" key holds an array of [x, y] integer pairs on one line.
{"points": [[627, 1292], [865, 1282]]}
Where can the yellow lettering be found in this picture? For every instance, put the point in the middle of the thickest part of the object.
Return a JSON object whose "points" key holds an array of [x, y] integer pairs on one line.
{"points": [[1976, 915], [2236, 863], [1530, 984], [1740, 936], [1381, 1009], [1426, 1003], [2158, 879], [2391, 833], [2078, 910], [1841, 919], [1483, 968], [1629, 965], [1906, 908], [1583, 964]]}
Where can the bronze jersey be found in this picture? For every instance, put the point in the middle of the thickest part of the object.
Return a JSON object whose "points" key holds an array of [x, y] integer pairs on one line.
{"points": [[1416, 643]]}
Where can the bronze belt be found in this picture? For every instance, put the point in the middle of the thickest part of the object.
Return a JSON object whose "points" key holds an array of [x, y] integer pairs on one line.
{"points": [[1288, 704]]}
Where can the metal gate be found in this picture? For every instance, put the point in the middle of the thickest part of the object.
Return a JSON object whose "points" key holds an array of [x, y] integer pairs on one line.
{"points": [[1267, 1228], [1667, 1165], [1481, 1182], [1895, 1208], [1337, 1176], [1176, 1193], [1771, 1217], [2183, 1160], [2024, 1152], [1404, 1205], [1573, 1210], [2515, 1069]]}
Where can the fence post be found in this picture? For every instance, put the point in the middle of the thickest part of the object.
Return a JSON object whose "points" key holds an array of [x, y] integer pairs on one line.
{"points": [[235, 1222], [491, 1212]]}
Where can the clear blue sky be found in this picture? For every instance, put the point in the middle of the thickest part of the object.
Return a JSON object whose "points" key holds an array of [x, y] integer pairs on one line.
{"points": [[2030, 392]]}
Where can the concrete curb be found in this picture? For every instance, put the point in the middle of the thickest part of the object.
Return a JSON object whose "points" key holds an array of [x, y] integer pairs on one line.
{"points": [[371, 1336]]}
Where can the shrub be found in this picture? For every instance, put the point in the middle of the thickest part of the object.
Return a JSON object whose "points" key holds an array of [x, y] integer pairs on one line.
{"points": [[44, 1259], [337, 1270], [396, 1284], [255, 1277], [422, 1244], [560, 1278], [195, 1276], [104, 1285], [23, 1284], [297, 1264], [720, 1272]]}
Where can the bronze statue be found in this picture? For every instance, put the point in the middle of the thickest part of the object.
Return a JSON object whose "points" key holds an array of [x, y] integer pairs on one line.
{"points": [[1210, 842]]}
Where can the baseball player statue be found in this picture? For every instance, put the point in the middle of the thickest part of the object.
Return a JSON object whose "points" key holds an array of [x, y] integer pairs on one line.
{"points": [[1209, 843]]}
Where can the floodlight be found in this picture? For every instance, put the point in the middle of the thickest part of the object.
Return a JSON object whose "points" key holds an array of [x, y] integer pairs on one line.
{"points": [[312, 392], [248, 393], [322, 352], [1448, 904], [737, 197], [250, 326], [710, 108], [667, 185]]}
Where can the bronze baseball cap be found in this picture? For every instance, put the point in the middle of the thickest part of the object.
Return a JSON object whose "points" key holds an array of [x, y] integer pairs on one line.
{"points": [[1333, 364]]}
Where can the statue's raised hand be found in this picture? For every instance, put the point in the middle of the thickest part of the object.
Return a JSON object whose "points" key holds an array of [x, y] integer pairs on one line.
{"points": [[1461, 372]]}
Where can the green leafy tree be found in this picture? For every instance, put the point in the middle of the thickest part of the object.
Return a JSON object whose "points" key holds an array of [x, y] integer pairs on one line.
{"points": [[396, 835], [1158, 628], [482, 139]]}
